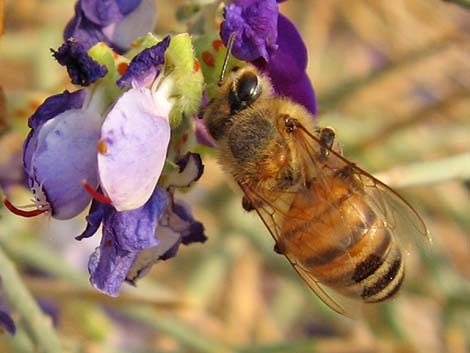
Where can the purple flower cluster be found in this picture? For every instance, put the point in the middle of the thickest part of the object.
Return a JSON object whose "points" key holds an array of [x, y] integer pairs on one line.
{"points": [[272, 43], [111, 145], [84, 146]]}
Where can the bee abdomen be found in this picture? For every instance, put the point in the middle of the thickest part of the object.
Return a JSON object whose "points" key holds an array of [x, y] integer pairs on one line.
{"points": [[345, 245], [386, 280]]}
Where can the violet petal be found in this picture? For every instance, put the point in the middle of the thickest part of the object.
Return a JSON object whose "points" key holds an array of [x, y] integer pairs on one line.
{"points": [[117, 23], [94, 218], [7, 322], [136, 133], [83, 30], [145, 66], [190, 170], [181, 220], [125, 235], [255, 23], [202, 133], [109, 265], [54, 105], [82, 69], [109, 11], [287, 66], [135, 230], [302, 92]]}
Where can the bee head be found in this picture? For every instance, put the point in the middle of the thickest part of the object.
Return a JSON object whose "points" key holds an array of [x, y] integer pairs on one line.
{"points": [[244, 91]]}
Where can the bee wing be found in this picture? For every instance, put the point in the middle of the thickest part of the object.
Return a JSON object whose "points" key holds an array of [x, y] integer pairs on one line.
{"points": [[365, 194], [342, 305], [397, 215], [272, 213]]}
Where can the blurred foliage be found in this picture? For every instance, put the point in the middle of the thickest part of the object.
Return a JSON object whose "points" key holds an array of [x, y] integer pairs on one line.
{"points": [[393, 79]]}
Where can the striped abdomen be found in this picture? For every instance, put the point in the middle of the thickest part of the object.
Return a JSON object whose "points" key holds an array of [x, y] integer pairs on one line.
{"points": [[336, 236]]}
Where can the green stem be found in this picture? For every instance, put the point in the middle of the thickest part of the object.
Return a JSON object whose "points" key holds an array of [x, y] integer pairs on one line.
{"points": [[429, 172], [461, 3], [21, 301], [185, 334]]}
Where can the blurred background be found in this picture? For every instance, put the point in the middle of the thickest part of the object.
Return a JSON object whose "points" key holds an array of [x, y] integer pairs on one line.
{"points": [[393, 79]]}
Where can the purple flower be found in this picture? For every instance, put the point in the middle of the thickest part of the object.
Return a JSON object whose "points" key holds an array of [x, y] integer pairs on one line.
{"points": [[115, 22], [125, 234], [272, 43], [60, 151], [82, 69], [134, 240], [120, 150], [70, 143]]}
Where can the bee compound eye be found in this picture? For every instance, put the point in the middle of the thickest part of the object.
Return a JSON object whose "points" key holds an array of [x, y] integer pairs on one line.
{"points": [[245, 91]]}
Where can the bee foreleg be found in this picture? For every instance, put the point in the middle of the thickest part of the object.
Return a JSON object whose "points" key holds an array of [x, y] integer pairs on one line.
{"points": [[247, 204]]}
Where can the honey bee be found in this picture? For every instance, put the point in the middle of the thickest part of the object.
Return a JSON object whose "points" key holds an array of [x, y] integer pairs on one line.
{"points": [[337, 225]]}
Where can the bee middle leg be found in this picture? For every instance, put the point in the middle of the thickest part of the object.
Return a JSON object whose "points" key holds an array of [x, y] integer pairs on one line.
{"points": [[327, 139]]}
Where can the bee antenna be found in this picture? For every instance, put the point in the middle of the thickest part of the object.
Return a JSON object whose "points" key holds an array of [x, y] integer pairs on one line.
{"points": [[231, 39]]}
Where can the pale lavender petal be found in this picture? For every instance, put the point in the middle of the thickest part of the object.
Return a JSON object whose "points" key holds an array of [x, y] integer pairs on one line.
{"points": [[176, 226], [190, 170], [65, 155], [52, 106], [136, 133], [136, 24], [148, 257]]}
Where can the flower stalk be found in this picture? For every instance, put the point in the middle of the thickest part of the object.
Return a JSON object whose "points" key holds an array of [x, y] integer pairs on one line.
{"points": [[22, 302], [461, 3], [429, 172]]}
